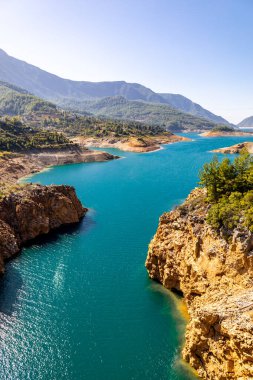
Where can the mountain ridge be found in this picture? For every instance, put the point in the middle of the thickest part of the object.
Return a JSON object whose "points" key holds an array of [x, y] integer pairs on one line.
{"points": [[52, 87]]}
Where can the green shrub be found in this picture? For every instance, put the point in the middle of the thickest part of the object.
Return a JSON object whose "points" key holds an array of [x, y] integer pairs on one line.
{"points": [[229, 191]]}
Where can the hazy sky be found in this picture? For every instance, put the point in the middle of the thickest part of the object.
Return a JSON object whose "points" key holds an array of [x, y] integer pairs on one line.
{"points": [[202, 49]]}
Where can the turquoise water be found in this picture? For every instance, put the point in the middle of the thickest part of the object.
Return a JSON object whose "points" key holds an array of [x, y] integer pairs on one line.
{"points": [[79, 305]]}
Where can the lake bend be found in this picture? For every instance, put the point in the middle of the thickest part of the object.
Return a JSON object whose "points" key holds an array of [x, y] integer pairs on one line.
{"points": [[78, 303]]}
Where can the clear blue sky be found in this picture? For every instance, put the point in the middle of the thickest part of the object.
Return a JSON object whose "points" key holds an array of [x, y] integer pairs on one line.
{"points": [[202, 49]]}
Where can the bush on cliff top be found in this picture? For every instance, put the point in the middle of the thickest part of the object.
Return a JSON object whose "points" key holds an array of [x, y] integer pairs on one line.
{"points": [[229, 191]]}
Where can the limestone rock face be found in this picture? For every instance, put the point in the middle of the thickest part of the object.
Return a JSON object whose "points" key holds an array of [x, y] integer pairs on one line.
{"points": [[33, 211], [216, 278]]}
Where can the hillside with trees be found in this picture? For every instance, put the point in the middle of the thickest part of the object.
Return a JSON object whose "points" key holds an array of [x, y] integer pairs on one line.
{"points": [[16, 101], [120, 108], [16, 137], [90, 126]]}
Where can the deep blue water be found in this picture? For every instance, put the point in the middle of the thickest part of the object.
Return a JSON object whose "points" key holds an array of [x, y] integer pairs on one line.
{"points": [[79, 305]]}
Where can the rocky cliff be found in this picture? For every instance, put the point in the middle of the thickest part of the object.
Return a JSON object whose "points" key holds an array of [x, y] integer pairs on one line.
{"points": [[33, 210], [215, 275]]}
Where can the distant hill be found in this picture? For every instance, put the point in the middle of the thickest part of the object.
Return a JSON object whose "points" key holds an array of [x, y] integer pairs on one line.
{"points": [[16, 101], [186, 105], [163, 115], [246, 123], [52, 87]]}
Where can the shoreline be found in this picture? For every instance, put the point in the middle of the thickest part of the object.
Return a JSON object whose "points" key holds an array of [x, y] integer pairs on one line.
{"points": [[31, 164], [32, 211], [152, 151], [15, 167], [22, 180]]}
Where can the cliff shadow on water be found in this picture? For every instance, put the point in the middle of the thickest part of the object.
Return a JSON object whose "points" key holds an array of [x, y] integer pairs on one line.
{"points": [[10, 286], [173, 305], [11, 282], [81, 227]]}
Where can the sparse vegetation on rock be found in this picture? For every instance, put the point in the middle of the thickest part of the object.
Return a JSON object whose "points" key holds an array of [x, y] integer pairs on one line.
{"points": [[229, 191]]}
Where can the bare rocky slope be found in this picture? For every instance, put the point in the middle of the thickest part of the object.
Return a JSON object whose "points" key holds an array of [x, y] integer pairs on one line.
{"points": [[32, 210], [215, 276], [235, 149]]}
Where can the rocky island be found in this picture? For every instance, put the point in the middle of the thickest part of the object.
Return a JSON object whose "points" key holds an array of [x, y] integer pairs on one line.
{"points": [[204, 250]]}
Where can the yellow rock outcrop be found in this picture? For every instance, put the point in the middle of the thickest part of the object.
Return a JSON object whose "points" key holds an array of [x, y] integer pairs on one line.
{"points": [[215, 276]]}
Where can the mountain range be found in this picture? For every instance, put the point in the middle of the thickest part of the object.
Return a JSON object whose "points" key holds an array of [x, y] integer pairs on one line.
{"points": [[118, 107], [14, 101], [64, 91]]}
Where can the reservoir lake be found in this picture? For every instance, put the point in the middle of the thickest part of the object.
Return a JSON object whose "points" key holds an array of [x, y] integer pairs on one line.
{"points": [[78, 303]]}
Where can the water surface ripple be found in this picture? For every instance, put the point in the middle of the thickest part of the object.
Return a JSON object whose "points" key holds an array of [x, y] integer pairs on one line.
{"points": [[79, 305]]}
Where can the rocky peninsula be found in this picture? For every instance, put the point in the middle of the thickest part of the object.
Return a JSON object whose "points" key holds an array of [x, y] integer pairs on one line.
{"points": [[32, 210], [220, 133], [138, 144], [235, 149], [214, 274], [25, 150]]}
